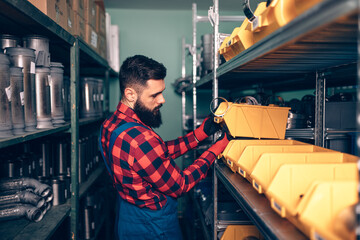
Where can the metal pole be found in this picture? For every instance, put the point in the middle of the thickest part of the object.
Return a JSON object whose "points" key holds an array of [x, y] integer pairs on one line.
{"points": [[357, 207], [194, 55], [183, 75], [320, 110], [74, 88], [106, 91], [215, 95]]}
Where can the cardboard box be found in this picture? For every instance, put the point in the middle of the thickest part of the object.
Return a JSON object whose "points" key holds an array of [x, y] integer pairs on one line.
{"points": [[100, 19], [90, 13], [55, 9], [79, 26], [102, 49], [91, 37], [78, 6], [70, 20]]}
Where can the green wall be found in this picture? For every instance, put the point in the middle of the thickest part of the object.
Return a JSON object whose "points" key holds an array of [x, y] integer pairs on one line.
{"points": [[158, 34]]}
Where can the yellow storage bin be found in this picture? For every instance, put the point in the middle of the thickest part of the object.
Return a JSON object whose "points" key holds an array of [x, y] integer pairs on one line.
{"points": [[235, 148], [226, 51], [326, 210], [278, 14], [251, 155], [269, 163], [234, 232], [292, 181], [254, 121]]}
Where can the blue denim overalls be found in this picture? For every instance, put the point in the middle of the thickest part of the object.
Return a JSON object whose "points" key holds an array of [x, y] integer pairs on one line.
{"points": [[134, 223]]}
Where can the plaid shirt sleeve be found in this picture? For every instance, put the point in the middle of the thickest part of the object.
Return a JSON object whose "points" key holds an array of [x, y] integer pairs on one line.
{"points": [[181, 145], [155, 164]]}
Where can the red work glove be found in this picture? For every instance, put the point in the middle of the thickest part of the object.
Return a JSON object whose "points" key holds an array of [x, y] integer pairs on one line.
{"points": [[207, 128], [220, 144]]}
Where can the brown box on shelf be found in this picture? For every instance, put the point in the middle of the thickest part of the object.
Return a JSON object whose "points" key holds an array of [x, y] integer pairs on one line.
{"points": [[100, 19], [92, 37], [102, 50], [90, 12], [70, 20], [78, 6], [79, 26], [55, 9]]}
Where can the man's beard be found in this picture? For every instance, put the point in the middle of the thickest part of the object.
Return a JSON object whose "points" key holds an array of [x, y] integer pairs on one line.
{"points": [[152, 118]]}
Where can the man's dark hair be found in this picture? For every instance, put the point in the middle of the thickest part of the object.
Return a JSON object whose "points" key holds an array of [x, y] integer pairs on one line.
{"points": [[137, 70]]}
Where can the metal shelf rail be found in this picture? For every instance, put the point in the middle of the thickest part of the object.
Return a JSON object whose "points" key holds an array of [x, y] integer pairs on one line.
{"points": [[323, 37], [311, 46], [256, 206], [23, 229], [22, 18]]}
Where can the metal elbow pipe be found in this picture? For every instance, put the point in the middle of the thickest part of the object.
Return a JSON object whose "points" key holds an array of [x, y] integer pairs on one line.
{"points": [[9, 212], [23, 197], [24, 183]]}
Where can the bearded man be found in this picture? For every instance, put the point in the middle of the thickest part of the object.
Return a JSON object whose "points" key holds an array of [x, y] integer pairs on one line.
{"points": [[141, 164]]}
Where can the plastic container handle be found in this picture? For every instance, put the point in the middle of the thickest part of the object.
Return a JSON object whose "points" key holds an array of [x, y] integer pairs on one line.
{"points": [[214, 110], [247, 11]]}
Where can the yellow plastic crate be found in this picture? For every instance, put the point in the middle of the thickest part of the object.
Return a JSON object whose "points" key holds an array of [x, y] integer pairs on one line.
{"points": [[233, 232], [226, 51], [235, 148], [292, 181], [251, 155], [254, 121], [269, 163], [278, 14], [321, 207]]}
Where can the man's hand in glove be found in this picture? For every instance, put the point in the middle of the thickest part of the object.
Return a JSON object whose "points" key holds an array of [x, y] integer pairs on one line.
{"points": [[207, 128], [220, 144]]}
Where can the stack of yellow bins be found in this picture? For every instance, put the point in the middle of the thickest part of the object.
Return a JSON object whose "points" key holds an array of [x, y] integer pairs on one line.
{"points": [[307, 184], [268, 19]]}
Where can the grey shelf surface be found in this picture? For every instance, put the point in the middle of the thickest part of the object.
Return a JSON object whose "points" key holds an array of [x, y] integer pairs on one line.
{"points": [[84, 121], [257, 206], [32, 135], [23, 229], [92, 178], [323, 38]]}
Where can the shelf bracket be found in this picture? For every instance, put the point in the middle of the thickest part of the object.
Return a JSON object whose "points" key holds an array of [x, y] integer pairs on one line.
{"points": [[320, 109]]}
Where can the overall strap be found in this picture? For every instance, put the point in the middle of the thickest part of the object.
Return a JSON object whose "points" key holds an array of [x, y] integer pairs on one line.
{"points": [[113, 138]]}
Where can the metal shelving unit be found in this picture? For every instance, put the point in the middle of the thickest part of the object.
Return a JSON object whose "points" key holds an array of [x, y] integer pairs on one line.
{"points": [[313, 51], [22, 18], [256, 206], [23, 229]]}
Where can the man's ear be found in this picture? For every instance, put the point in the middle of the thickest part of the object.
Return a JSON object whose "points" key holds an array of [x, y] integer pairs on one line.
{"points": [[130, 95]]}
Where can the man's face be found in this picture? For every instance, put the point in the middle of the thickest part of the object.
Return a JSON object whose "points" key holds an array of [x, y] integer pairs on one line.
{"points": [[148, 104]]}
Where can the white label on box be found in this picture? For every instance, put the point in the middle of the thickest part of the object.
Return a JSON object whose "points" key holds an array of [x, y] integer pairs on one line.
{"points": [[94, 38], [98, 97], [49, 80], [102, 97], [32, 68], [63, 93], [8, 93], [22, 98], [93, 11], [255, 23], [94, 97], [69, 23]]}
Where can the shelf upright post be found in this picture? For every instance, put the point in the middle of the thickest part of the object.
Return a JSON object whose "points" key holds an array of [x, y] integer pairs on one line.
{"points": [[213, 15], [320, 109], [74, 91], [183, 93], [194, 55], [357, 208], [106, 92]]}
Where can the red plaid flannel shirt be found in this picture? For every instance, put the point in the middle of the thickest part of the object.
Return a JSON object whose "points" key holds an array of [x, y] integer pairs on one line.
{"points": [[144, 170]]}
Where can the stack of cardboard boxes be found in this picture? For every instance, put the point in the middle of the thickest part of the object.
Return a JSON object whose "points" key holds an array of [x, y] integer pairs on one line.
{"points": [[83, 18]]}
